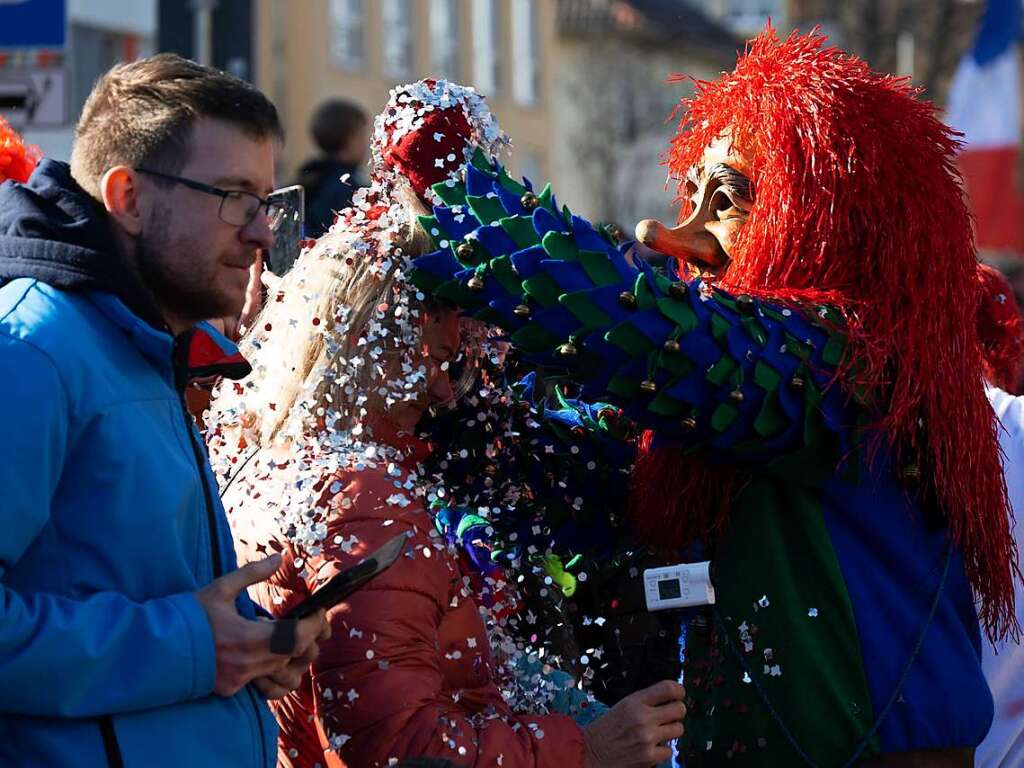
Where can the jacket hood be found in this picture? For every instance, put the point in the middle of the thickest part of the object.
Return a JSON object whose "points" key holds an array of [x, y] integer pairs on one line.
{"points": [[53, 231]]}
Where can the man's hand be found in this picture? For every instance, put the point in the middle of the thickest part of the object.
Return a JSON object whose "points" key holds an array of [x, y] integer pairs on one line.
{"points": [[242, 645], [236, 327], [253, 296], [288, 679], [634, 733]]}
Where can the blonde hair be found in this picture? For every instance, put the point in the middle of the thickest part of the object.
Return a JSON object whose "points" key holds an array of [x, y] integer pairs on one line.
{"points": [[341, 331]]}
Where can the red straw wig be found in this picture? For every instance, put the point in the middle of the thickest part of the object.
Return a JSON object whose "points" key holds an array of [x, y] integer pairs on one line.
{"points": [[17, 161], [859, 205]]}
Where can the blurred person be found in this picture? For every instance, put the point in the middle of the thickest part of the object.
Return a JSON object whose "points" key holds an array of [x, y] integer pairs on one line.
{"points": [[318, 460], [340, 130], [126, 633], [1001, 331]]}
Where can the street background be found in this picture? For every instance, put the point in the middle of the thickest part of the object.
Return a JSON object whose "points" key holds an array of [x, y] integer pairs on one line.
{"points": [[580, 85]]}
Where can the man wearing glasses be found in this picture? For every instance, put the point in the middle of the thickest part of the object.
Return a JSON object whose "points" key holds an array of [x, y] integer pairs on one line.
{"points": [[126, 634]]}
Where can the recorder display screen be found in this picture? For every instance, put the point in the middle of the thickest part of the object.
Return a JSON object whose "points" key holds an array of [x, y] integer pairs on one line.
{"points": [[669, 589]]}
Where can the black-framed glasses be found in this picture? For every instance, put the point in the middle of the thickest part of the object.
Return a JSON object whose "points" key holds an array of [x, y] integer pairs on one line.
{"points": [[237, 207]]}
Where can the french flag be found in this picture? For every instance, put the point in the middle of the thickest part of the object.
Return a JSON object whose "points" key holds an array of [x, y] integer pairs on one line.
{"points": [[984, 104]]}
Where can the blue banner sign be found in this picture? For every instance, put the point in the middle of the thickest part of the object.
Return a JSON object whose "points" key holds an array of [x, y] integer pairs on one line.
{"points": [[33, 23]]}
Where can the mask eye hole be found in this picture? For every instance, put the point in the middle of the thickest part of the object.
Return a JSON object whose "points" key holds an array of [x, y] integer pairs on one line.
{"points": [[721, 199], [736, 184]]}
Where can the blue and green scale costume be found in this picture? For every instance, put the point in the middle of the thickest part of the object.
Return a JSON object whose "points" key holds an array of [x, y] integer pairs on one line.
{"points": [[844, 625]]}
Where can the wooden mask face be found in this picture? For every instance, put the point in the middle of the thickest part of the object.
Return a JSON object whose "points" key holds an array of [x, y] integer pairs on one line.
{"points": [[722, 194]]}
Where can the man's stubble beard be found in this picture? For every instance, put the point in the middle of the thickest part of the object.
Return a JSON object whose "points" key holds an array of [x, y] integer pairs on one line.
{"points": [[173, 279]]}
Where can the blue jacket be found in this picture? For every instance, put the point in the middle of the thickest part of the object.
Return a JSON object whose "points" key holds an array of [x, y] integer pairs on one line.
{"points": [[110, 514]]}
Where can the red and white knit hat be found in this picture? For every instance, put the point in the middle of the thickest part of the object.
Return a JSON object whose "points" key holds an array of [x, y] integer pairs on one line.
{"points": [[428, 130]]}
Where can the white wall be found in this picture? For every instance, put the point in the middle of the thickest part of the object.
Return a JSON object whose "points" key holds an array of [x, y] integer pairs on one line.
{"points": [[137, 17]]}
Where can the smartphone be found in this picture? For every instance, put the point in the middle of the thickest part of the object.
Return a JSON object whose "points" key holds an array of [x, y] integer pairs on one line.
{"points": [[347, 582], [287, 228]]}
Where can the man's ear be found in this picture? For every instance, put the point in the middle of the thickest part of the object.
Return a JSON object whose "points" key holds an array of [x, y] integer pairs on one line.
{"points": [[119, 189]]}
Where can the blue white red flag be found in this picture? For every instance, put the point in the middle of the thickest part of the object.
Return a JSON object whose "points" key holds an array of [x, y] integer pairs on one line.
{"points": [[984, 104]]}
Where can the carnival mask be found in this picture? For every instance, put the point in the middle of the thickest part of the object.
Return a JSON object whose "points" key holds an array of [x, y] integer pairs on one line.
{"points": [[723, 196]]}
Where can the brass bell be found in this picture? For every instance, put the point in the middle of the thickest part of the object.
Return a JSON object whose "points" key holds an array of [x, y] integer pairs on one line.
{"points": [[529, 201], [647, 385], [689, 423], [745, 303], [465, 251], [567, 350], [736, 396], [670, 345], [475, 283], [627, 300], [522, 310], [677, 290], [796, 382]]}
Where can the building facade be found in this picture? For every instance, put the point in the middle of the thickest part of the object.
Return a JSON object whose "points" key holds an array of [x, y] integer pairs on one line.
{"points": [[579, 85]]}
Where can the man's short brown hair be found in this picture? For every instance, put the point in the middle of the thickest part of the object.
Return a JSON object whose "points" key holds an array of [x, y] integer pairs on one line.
{"points": [[142, 114]]}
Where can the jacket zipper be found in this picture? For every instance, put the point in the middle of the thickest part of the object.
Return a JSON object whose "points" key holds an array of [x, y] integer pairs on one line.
{"points": [[259, 725], [211, 515], [211, 518], [179, 364]]}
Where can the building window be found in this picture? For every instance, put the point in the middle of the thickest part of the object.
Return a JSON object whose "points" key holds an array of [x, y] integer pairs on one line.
{"points": [[486, 47], [525, 50], [444, 38], [396, 16], [348, 28]]}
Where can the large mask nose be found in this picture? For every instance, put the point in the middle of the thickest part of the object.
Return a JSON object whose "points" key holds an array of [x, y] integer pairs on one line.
{"points": [[707, 236], [688, 241]]}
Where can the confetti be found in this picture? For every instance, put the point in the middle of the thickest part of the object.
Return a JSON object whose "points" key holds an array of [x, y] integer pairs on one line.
{"points": [[380, 359]]}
